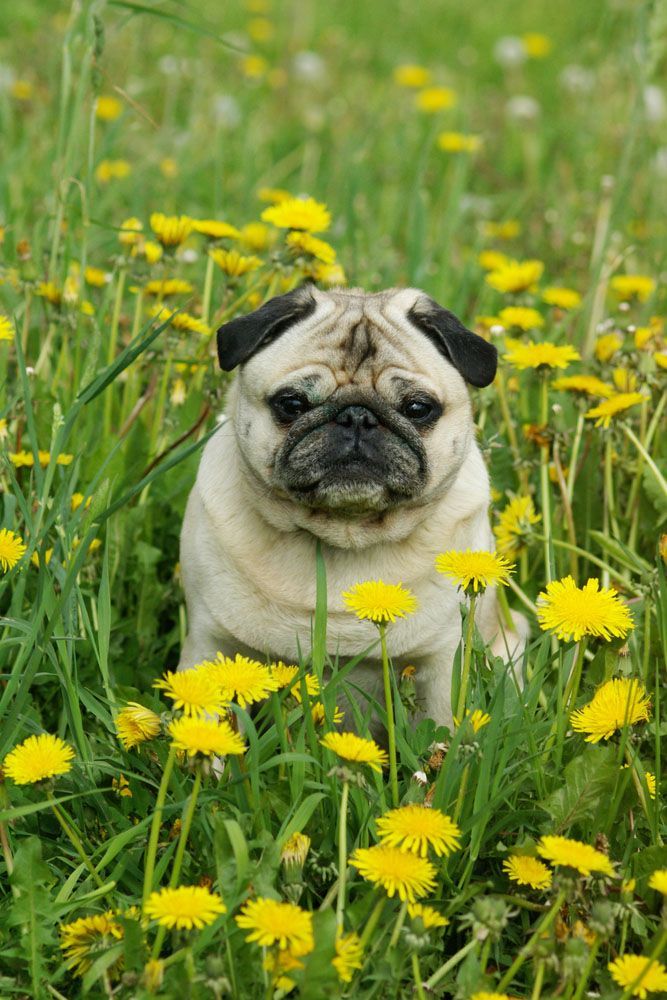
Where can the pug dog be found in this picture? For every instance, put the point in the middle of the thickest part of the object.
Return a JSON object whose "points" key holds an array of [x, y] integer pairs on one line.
{"points": [[349, 423]]}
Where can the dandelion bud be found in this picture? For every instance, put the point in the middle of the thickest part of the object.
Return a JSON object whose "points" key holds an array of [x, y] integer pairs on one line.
{"points": [[575, 957], [602, 921]]}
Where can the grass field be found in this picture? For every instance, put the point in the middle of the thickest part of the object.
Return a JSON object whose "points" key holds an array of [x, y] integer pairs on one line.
{"points": [[448, 142]]}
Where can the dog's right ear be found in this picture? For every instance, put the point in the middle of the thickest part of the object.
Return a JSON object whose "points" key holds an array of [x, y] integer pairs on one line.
{"points": [[243, 337]]}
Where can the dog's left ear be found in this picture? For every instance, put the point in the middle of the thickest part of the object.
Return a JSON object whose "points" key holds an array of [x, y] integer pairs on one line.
{"points": [[474, 358], [239, 339]]}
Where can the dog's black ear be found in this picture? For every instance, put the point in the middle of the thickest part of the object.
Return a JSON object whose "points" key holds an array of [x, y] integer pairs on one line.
{"points": [[239, 339], [474, 358]]}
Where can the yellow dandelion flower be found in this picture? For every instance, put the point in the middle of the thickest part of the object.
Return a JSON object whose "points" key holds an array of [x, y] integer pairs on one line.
{"points": [[274, 196], [273, 923], [430, 100], [298, 213], [151, 251], [108, 108], [459, 142], [12, 549], [205, 736], [168, 167], [571, 612], [609, 408], [607, 345], [525, 870], [493, 260], [257, 236], [411, 75], [216, 230], [624, 380], [21, 90], [507, 230], [169, 286], [38, 758], [658, 881], [110, 170], [178, 393], [660, 358], [37, 559], [196, 691], [477, 719], [254, 67], [22, 459], [283, 674], [136, 724], [242, 679], [532, 355], [627, 968], [588, 384], [355, 749], [617, 703], [380, 602], [349, 956], [483, 995], [536, 45], [573, 854], [319, 717], [644, 337], [429, 917], [516, 276], [312, 687], [328, 274], [295, 850], [481, 569], [305, 243], [96, 276], [520, 317], [190, 324], [233, 263], [632, 286], [398, 872], [171, 230], [49, 290], [153, 975], [650, 783], [185, 908], [84, 940], [6, 328], [130, 231], [279, 963], [514, 526], [562, 298], [121, 787], [415, 828]]}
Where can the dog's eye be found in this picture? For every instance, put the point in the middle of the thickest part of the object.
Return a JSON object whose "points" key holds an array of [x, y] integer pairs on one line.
{"points": [[289, 405], [420, 411]]}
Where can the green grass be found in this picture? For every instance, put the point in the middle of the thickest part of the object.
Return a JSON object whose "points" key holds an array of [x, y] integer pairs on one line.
{"points": [[95, 627]]}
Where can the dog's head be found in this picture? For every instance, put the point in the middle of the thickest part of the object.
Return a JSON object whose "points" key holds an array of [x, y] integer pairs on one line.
{"points": [[352, 403]]}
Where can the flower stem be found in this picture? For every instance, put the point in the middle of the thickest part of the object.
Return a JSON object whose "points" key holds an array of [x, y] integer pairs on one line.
{"points": [[539, 979], [574, 680], [574, 455], [463, 787], [372, 921], [111, 345], [389, 706], [400, 920], [416, 972], [342, 856], [450, 963], [542, 926], [467, 657], [544, 480], [587, 970], [155, 825], [208, 287], [74, 838], [180, 851], [657, 475]]}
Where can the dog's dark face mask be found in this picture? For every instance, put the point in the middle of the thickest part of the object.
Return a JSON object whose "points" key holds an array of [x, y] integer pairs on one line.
{"points": [[342, 403]]}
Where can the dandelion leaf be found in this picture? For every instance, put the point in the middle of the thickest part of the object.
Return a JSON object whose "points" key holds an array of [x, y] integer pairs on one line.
{"points": [[586, 780]]}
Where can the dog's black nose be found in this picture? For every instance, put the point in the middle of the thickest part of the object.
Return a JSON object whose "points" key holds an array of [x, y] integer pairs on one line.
{"points": [[357, 418]]}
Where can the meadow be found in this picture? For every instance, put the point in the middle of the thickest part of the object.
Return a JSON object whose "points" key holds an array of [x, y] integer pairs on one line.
{"points": [[511, 161]]}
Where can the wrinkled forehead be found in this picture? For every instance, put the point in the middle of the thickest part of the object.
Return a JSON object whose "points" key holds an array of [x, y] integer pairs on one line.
{"points": [[356, 339]]}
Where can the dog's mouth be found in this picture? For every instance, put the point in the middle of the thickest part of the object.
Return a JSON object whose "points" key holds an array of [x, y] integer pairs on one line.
{"points": [[352, 457]]}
